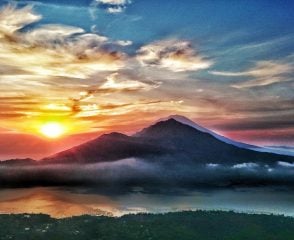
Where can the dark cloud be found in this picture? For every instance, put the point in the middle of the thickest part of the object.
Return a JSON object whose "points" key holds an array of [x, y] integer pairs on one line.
{"points": [[264, 106], [283, 121]]}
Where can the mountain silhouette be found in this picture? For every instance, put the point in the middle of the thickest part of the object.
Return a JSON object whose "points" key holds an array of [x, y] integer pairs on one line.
{"points": [[108, 147], [169, 141], [190, 123]]}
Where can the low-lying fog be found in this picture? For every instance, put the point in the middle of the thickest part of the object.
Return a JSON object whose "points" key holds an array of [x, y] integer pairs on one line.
{"points": [[136, 172]]}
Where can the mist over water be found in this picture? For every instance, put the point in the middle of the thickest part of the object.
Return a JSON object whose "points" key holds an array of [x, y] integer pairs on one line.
{"points": [[134, 172], [134, 185]]}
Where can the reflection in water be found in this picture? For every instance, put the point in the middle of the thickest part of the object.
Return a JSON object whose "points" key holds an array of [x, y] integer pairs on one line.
{"points": [[72, 202], [54, 202]]}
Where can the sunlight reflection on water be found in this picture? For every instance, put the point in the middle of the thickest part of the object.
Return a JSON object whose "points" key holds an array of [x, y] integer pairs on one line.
{"points": [[60, 203]]}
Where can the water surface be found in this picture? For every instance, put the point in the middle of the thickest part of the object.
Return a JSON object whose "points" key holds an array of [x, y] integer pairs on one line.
{"points": [[61, 202]]}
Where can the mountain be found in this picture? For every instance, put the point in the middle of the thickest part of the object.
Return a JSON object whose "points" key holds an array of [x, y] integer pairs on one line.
{"points": [[18, 162], [170, 140], [108, 147], [284, 150], [190, 123]]}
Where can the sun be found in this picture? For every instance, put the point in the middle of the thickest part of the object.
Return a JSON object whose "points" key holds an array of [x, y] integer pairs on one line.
{"points": [[52, 130]]}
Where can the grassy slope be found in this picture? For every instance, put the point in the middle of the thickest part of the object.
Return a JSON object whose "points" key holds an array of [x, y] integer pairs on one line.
{"points": [[178, 226]]}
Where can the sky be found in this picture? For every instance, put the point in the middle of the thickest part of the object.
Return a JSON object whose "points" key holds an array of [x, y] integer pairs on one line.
{"points": [[97, 66]]}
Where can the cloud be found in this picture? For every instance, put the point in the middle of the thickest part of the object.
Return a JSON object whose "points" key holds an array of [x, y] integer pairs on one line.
{"points": [[13, 19], [264, 73], [117, 9], [52, 50], [111, 6], [245, 165], [268, 122], [277, 105], [114, 83], [212, 165], [95, 111], [124, 43], [261, 69], [50, 34], [286, 164], [53, 63], [174, 55], [114, 2]]}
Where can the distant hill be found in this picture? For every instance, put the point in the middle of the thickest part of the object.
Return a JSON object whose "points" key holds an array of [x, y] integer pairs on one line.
{"points": [[18, 161]]}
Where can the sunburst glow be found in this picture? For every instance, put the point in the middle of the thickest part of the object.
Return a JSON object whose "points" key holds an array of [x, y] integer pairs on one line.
{"points": [[52, 130]]}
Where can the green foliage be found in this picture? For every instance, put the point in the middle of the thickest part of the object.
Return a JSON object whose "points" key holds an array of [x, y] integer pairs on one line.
{"points": [[171, 226]]}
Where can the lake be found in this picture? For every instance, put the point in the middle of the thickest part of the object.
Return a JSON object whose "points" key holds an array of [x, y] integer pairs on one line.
{"points": [[66, 202]]}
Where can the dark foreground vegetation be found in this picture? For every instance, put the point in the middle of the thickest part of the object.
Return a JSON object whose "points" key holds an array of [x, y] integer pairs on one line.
{"points": [[179, 226]]}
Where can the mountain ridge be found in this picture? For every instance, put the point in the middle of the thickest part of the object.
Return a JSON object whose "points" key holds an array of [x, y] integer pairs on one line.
{"points": [[168, 140], [190, 123]]}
